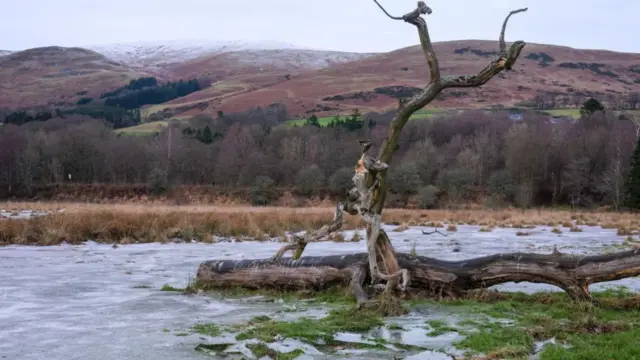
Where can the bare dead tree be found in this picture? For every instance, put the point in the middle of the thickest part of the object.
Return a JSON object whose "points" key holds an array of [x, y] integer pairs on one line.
{"points": [[368, 196], [383, 250]]}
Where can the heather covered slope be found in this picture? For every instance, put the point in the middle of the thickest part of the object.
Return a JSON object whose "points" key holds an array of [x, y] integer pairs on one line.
{"points": [[314, 81], [58, 75], [544, 70]]}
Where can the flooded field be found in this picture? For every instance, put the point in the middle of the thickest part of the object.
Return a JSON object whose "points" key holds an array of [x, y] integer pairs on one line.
{"points": [[94, 301]]}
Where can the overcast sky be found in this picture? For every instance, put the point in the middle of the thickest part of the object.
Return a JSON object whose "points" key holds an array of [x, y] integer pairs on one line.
{"points": [[348, 25]]}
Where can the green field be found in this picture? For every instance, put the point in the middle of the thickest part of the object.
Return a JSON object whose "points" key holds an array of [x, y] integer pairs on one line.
{"points": [[154, 127], [149, 128], [575, 113], [144, 129], [325, 120]]}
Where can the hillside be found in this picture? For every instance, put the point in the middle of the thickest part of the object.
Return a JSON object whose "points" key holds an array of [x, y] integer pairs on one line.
{"points": [[58, 75], [309, 81], [542, 70], [4, 52]]}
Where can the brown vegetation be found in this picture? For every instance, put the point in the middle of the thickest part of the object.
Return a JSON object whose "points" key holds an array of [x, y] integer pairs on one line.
{"points": [[58, 75], [529, 79], [554, 74], [114, 223]]}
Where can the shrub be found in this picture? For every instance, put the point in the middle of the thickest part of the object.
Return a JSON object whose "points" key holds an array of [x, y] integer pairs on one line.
{"points": [[428, 197], [501, 185], [405, 179], [341, 181], [458, 183], [309, 180], [262, 191], [157, 181]]}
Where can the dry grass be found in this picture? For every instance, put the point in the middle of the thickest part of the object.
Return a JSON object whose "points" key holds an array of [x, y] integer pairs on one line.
{"points": [[150, 223]]}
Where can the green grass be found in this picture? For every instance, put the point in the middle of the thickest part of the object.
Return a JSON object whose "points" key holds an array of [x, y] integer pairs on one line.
{"points": [[153, 127], [167, 287], [498, 325], [325, 120], [590, 332], [143, 129], [261, 350], [310, 330], [439, 327], [207, 329], [575, 113], [149, 128]]}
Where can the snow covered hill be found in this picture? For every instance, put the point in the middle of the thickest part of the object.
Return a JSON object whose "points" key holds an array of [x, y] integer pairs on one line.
{"points": [[162, 53], [5, 52]]}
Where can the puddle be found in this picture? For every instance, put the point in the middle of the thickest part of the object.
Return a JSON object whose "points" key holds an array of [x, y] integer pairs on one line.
{"points": [[92, 301]]}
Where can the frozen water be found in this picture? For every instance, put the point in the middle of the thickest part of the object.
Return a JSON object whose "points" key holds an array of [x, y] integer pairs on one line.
{"points": [[92, 301], [22, 214]]}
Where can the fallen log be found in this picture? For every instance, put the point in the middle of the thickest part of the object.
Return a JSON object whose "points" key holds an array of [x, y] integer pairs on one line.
{"points": [[571, 273]]}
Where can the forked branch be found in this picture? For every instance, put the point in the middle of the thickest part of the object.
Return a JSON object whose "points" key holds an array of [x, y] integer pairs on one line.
{"points": [[505, 60]]}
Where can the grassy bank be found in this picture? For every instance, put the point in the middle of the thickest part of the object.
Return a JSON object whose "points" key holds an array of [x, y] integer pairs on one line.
{"points": [[492, 325], [157, 223]]}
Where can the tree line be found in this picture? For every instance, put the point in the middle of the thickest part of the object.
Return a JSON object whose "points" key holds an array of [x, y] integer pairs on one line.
{"points": [[475, 156]]}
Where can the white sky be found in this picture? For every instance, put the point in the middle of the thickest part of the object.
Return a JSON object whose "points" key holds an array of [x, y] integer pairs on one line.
{"points": [[347, 25]]}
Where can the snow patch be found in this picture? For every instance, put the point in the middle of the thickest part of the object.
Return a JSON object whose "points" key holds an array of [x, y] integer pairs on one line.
{"points": [[158, 53]]}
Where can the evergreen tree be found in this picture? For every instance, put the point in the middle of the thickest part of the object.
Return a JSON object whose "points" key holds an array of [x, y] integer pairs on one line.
{"points": [[590, 106], [632, 200], [313, 121], [207, 135]]}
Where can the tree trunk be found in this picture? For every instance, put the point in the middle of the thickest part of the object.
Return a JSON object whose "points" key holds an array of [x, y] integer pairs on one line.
{"points": [[571, 273]]}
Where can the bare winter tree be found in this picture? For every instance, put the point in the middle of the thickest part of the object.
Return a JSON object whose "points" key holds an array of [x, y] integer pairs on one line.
{"points": [[367, 200]]}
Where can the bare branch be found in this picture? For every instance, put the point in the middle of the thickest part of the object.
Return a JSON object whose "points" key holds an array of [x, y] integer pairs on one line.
{"points": [[415, 18], [503, 45], [298, 243], [435, 231], [385, 11], [505, 61]]}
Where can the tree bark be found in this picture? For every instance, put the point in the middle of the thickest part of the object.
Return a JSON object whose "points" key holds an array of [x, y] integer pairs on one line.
{"points": [[571, 273]]}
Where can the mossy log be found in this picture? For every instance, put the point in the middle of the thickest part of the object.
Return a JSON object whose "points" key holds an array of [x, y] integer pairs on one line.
{"points": [[571, 273]]}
